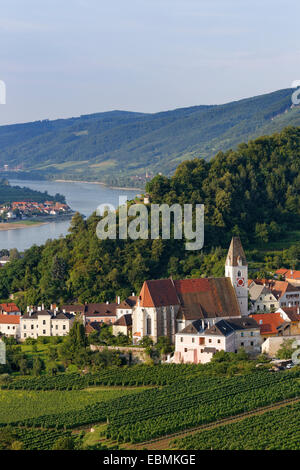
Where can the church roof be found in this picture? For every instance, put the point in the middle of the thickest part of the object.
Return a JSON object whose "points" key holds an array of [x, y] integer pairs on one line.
{"points": [[158, 293], [236, 255], [198, 298]]}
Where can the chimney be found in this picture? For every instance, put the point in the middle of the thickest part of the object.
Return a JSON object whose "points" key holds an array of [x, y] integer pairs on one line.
{"points": [[203, 325], [39, 308], [107, 302], [28, 308], [118, 300], [298, 310], [43, 307], [132, 294]]}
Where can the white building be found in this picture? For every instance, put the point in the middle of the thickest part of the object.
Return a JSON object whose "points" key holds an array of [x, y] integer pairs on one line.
{"points": [[10, 325], [197, 343], [45, 323]]}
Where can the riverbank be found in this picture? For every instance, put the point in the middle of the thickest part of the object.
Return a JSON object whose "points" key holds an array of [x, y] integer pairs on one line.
{"points": [[35, 223], [18, 225], [102, 184]]}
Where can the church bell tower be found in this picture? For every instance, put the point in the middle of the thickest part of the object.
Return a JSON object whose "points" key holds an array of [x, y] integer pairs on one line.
{"points": [[236, 267]]}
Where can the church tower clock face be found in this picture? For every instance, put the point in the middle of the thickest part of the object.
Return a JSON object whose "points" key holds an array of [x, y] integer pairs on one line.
{"points": [[240, 282]]}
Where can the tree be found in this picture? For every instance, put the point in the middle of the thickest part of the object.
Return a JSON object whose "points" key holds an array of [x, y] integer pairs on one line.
{"points": [[38, 366], [63, 443], [286, 349]]}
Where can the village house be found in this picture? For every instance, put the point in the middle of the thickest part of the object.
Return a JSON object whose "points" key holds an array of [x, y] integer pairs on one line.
{"points": [[45, 323], [123, 325], [167, 306], [197, 343], [261, 297], [289, 275], [268, 295], [102, 313], [10, 325], [268, 323], [9, 309]]}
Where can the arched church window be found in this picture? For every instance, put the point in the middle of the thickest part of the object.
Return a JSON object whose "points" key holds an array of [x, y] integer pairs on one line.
{"points": [[239, 274], [148, 326]]}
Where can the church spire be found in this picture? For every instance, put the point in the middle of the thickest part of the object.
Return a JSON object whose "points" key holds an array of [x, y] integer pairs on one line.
{"points": [[236, 255], [236, 267]]}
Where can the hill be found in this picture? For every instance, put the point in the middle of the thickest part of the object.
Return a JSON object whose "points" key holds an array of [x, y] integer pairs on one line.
{"points": [[116, 147], [9, 194], [253, 191]]}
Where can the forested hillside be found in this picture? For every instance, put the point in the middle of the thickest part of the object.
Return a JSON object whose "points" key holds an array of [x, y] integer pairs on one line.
{"points": [[114, 147], [10, 193], [253, 191]]}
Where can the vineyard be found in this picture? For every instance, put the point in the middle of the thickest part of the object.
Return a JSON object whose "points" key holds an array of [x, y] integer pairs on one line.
{"points": [[114, 376], [19, 405], [141, 403], [164, 410], [34, 439], [273, 430]]}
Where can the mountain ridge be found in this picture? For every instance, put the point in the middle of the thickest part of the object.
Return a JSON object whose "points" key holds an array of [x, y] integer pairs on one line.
{"points": [[121, 146]]}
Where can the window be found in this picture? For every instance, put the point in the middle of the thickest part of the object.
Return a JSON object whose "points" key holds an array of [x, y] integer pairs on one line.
{"points": [[44, 332], [44, 322], [251, 333], [148, 326], [181, 339], [56, 327], [185, 349], [209, 340], [242, 344], [64, 327], [239, 274], [193, 340], [219, 341], [242, 334], [251, 343], [32, 326], [24, 327], [24, 335]]}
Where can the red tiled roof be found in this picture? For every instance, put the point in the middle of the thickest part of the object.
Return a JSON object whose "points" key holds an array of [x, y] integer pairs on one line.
{"points": [[9, 319], [158, 293], [292, 313], [289, 273], [11, 307], [270, 322], [198, 298], [189, 286]]}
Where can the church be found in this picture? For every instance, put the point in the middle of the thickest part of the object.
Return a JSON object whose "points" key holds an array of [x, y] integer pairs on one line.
{"points": [[166, 307]]}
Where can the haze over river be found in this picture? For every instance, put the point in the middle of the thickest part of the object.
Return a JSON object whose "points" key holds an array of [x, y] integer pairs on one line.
{"points": [[81, 197]]}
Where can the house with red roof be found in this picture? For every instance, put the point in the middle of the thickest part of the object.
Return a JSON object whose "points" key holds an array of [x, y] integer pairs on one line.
{"points": [[289, 275], [9, 309], [10, 325], [268, 323]]}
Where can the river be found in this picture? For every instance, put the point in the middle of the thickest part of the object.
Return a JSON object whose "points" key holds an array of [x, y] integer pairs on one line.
{"points": [[81, 197]]}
